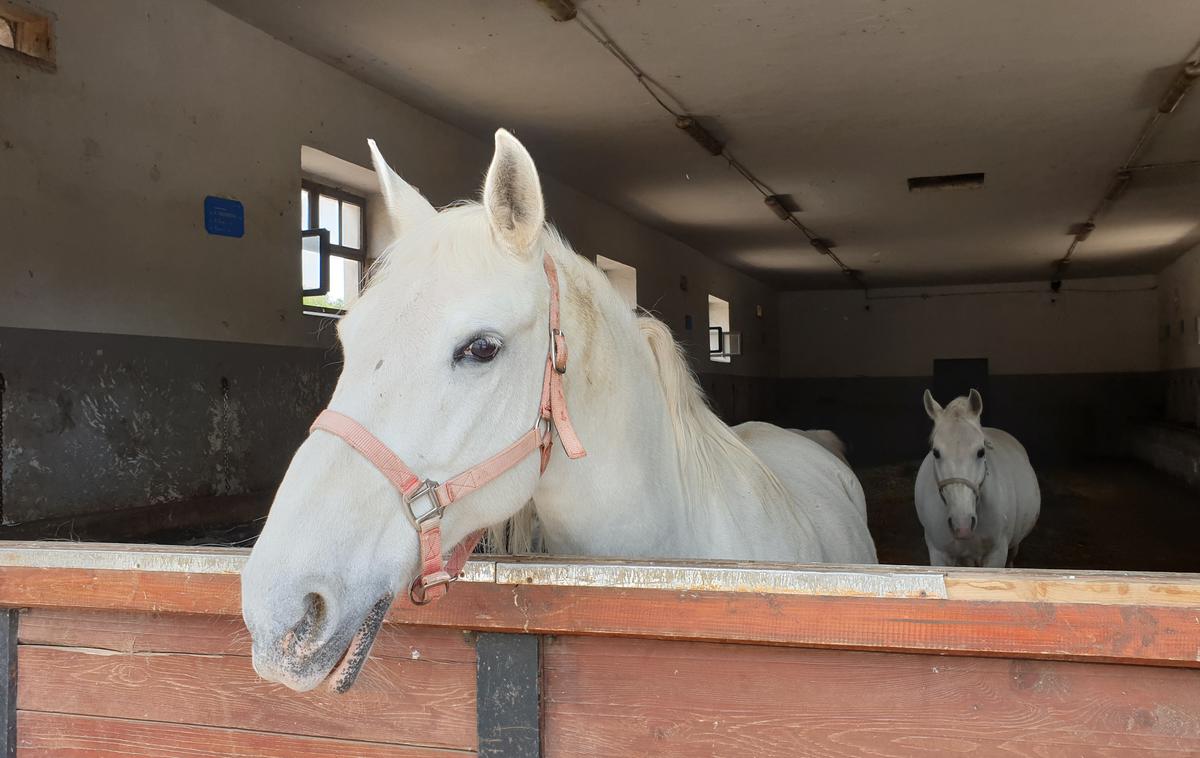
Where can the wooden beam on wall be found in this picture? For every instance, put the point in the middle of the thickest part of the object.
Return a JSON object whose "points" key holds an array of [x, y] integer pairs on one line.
{"points": [[8, 683], [508, 695]]}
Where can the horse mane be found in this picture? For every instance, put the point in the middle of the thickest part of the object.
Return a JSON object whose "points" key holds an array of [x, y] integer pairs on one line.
{"points": [[708, 449]]}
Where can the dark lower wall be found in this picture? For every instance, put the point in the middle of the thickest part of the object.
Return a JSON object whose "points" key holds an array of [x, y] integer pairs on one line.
{"points": [[1057, 417], [740, 398], [101, 422], [1183, 397], [94, 422], [1172, 449]]}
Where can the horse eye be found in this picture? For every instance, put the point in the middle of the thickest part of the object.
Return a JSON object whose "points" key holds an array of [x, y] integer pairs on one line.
{"points": [[937, 453], [979, 453], [482, 349]]}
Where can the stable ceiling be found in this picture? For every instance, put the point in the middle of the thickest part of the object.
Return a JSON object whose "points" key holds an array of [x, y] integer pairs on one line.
{"points": [[835, 103]]}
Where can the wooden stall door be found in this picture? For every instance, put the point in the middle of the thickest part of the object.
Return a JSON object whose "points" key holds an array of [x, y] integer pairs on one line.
{"points": [[115, 684], [621, 697]]}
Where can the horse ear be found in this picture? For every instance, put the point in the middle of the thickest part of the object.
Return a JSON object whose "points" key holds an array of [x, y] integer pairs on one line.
{"points": [[406, 207], [976, 401], [512, 195], [932, 409]]}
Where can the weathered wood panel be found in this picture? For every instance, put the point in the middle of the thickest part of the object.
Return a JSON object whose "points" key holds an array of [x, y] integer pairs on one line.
{"points": [[55, 735], [133, 632], [1158, 635], [641, 697], [424, 702]]}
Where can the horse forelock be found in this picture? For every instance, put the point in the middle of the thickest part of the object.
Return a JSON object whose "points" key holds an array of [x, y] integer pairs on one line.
{"points": [[954, 416]]}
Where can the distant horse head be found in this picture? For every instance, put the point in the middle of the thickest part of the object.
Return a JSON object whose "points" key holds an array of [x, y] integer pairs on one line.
{"points": [[959, 450]]}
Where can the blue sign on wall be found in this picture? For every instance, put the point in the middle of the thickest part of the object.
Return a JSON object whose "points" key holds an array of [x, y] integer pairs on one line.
{"points": [[224, 217]]}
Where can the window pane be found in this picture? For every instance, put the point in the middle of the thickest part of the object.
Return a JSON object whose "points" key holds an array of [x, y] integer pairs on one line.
{"points": [[303, 209], [344, 277], [310, 263], [329, 218], [351, 226]]}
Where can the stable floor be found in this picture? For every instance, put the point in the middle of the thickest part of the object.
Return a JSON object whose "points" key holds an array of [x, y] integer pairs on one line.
{"points": [[1106, 515]]}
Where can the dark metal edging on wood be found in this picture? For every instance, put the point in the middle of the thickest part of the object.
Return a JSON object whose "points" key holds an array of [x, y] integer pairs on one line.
{"points": [[508, 695], [8, 683]]}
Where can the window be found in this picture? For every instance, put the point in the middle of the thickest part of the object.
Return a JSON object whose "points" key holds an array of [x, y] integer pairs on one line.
{"points": [[26, 35], [333, 248], [718, 329], [622, 277]]}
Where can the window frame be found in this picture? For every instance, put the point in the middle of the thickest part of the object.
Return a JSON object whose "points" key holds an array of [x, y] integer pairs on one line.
{"points": [[722, 331], [315, 190]]}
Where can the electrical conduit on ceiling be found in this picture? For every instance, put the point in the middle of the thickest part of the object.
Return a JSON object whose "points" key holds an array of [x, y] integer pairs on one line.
{"points": [[565, 11]]}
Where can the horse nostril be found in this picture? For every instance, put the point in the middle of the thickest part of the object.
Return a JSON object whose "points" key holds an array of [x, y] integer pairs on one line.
{"points": [[302, 639], [973, 522], [950, 523]]}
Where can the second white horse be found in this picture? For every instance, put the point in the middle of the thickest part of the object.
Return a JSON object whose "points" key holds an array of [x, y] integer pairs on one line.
{"points": [[976, 493]]}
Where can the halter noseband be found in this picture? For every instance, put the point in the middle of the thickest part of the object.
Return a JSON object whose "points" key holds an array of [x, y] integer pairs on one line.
{"points": [[975, 487], [427, 500]]}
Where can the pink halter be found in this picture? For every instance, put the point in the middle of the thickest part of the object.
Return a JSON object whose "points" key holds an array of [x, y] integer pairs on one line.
{"points": [[427, 500]]}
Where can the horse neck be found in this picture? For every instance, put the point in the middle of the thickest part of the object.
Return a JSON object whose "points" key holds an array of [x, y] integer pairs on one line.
{"points": [[626, 497]]}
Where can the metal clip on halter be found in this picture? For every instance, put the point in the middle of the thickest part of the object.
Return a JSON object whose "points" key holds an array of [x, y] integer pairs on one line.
{"points": [[434, 510]]}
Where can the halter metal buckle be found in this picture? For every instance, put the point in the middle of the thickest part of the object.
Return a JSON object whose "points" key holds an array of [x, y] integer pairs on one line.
{"points": [[432, 510], [555, 336], [418, 592]]}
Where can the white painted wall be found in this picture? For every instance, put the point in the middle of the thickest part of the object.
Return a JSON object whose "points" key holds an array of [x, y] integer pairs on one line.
{"points": [[1093, 326], [1179, 308], [105, 163]]}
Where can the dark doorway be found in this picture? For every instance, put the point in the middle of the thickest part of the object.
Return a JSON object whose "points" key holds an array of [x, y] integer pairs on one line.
{"points": [[953, 377]]}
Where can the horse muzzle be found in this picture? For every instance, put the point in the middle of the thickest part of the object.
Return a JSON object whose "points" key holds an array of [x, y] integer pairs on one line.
{"points": [[962, 529], [310, 653]]}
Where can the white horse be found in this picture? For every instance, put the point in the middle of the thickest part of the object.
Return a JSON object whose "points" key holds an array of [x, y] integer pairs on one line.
{"points": [[444, 364], [827, 440], [976, 493], [521, 534]]}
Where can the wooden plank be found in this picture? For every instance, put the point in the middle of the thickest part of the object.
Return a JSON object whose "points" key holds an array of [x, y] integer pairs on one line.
{"points": [[136, 632], [422, 702], [1103, 587], [509, 695], [644, 697], [209, 594], [1158, 635], [1107, 587], [1153, 590], [56, 735], [8, 683]]}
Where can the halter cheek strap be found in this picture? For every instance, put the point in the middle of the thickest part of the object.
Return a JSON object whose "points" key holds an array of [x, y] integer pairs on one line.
{"points": [[427, 500]]}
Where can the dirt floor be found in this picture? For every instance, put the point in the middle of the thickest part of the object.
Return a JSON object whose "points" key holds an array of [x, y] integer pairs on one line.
{"points": [[1108, 515]]}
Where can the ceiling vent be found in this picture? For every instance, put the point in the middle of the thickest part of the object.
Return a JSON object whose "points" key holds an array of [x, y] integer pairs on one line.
{"points": [[945, 182]]}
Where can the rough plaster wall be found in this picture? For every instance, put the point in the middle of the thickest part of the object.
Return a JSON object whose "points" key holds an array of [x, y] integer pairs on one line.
{"points": [[96, 422], [1025, 330], [155, 105]]}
